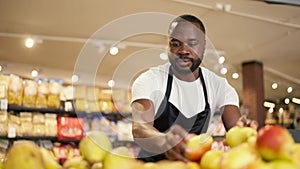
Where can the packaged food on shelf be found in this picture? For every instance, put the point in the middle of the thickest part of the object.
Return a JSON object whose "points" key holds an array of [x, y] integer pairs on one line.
{"points": [[4, 82], [3, 123], [29, 93], [55, 88], [42, 93], [70, 128], [106, 106], [50, 124], [124, 130], [13, 126], [15, 90], [26, 124], [80, 98], [67, 98], [38, 121]]}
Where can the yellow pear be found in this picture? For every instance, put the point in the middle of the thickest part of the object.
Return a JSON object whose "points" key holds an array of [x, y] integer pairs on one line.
{"points": [[239, 157], [76, 163], [49, 159], [24, 155], [94, 146], [211, 159], [121, 157]]}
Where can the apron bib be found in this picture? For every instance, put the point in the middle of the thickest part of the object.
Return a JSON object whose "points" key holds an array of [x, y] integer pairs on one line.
{"points": [[168, 115]]}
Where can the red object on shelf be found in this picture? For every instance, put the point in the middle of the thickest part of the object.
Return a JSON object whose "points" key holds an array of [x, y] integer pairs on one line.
{"points": [[70, 128]]}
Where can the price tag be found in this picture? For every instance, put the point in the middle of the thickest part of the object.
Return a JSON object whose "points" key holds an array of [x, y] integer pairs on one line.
{"points": [[3, 104], [12, 132]]}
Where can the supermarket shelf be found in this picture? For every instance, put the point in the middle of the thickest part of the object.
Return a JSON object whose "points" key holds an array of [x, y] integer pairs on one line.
{"points": [[37, 138], [61, 112], [55, 139]]}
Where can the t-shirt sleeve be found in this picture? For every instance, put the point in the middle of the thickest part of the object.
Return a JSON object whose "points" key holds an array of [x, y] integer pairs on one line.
{"points": [[225, 94], [145, 86]]}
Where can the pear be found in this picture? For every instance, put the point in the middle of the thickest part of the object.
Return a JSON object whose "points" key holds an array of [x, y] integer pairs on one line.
{"points": [[76, 163], [121, 157], [94, 146], [49, 159], [24, 155]]}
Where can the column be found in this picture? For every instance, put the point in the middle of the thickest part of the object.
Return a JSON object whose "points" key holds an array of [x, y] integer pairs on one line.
{"points": [[253, 90]]}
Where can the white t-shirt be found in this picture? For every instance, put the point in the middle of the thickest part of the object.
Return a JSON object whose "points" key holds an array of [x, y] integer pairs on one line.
{"points": [[187, 97]]}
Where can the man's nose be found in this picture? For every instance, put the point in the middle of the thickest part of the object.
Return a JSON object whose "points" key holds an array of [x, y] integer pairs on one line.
{"points": [[184, 49]]}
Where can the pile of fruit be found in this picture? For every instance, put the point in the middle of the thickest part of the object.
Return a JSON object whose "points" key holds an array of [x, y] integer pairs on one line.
{"points": [[272, 147]]}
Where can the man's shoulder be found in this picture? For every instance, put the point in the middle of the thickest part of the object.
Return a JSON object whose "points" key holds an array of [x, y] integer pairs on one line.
{"points": [[158, 70]]}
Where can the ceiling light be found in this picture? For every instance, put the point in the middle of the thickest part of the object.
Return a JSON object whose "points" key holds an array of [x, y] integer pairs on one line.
{"points": [[114, 51], [296, 100], [223, 71], [235, 75], [111, 83], [75, 78], [221, 59], [271, 110], [280, 110], [269, 104], [289, 89], [286, 100], [34, 73], [163, 56], [29, 42], [274, 86]]}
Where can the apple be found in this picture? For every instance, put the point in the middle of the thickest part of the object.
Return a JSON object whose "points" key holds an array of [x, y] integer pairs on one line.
{"points": [[198, 144], [296, 156], [239, 134], [275, 142], [239, 157], [211, 159]]}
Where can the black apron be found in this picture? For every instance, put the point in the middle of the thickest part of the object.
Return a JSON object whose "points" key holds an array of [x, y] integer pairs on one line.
{"points": [[168, 114]]}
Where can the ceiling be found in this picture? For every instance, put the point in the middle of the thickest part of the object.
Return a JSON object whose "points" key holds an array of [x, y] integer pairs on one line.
{"points": [[73, 36]]}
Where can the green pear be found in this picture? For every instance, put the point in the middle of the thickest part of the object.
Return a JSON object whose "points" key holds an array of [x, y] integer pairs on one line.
{"points": [[24, 155], [94, 146], [49, 159]]}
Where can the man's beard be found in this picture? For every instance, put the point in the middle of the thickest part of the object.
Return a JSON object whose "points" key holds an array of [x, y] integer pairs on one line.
{"points": [[195, 64]]}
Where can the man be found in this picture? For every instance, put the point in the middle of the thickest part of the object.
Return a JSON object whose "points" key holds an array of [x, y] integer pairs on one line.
{"points": [[177, 98]]}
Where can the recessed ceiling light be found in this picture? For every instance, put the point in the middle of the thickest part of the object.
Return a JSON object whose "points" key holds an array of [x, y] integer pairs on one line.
{"points": [[235, 75], [286, 100], [34, 73], [114, 51], [163, 56], [289, 89], [29, 42], [274, 86], [111, 83], [223, 71], [221, 59], [75, 78]]}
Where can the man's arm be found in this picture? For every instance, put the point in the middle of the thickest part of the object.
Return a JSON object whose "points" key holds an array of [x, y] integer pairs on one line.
{"points": [[145, 135], [231, 115]]}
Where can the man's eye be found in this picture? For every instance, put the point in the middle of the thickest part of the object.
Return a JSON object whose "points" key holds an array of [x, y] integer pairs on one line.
{"points": [[174, 44], [192, 44]]}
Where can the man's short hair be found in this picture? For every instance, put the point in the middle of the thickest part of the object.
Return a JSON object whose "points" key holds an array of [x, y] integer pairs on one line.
{"points": [[186, 18]]}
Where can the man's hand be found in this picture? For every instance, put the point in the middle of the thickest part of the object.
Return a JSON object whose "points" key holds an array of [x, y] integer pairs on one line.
{"points": [[244, 121], [176, 139]]}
